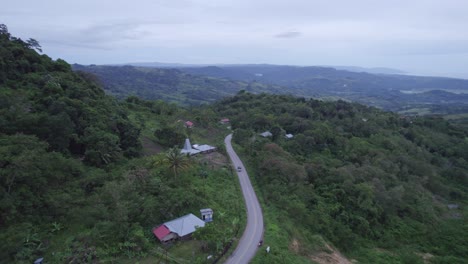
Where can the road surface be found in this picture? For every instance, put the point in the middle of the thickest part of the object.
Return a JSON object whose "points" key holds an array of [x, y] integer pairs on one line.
{"points": [[248, 244]]}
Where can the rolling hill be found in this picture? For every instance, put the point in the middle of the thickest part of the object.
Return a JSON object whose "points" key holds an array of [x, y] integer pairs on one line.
{"points": [[198, 85], [171, 85], [379, 187], [390, 92]]}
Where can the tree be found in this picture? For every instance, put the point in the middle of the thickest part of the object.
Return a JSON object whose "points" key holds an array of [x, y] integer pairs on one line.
{"points": [[169, 136], [276, 132], [34, 44], [3, 29], [101, 147], [175, 160]]}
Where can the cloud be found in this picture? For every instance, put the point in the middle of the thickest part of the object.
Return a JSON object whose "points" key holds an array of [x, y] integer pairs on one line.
{"points": [[75, 44], [399, 34], [112, 32], [288, 34]]}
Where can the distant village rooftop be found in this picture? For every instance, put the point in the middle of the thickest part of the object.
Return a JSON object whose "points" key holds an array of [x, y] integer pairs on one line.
{"points": [[189, 124]]}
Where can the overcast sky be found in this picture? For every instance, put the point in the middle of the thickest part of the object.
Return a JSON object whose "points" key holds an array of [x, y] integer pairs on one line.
{"points": [[427, 37]]}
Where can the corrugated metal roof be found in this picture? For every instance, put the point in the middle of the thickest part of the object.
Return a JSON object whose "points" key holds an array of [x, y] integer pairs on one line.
{"points": [[206, 210], [204, 147], [184, 225], [188, 148], [266, 134]]}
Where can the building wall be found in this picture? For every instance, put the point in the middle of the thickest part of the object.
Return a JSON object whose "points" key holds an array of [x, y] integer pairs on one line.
{"points": [[169, 237]]}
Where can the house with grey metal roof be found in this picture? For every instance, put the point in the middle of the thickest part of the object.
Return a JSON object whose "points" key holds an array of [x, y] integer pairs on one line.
{"points": [[204, 148], [181, 227], [188, 148]]}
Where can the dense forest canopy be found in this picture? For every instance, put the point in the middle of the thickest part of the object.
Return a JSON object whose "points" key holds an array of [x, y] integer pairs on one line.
{"points": [[51, 119], [358, 176], [44, 98], [76, 186]]}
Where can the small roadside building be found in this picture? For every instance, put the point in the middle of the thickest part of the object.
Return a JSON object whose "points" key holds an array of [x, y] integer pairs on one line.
{"points": [[180, 228], [266, 134], [207, 214], [289, 136]]}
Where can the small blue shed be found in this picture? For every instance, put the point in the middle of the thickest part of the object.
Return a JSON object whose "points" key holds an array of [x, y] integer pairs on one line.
{"points": [[207, 214]]}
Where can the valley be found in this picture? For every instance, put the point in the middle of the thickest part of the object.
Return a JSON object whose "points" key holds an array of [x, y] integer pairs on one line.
{"points": [[199, 85]]}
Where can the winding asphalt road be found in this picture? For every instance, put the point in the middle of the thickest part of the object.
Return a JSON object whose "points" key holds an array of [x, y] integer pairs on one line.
{"points": [[248, 244]]}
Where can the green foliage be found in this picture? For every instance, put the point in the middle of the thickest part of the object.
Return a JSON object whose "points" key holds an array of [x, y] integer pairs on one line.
{"points": [[173, 159], [169, 136], [356, 175], [45, 98]]}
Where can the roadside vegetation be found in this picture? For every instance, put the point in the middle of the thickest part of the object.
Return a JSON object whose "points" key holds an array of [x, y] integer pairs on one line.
{"points": [[374, 185]]}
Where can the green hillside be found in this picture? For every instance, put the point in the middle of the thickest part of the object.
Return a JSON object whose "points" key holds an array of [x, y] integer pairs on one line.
{"points": [[74, 184], [170, 85], [373, 184], [409, 95], [387, 91]]}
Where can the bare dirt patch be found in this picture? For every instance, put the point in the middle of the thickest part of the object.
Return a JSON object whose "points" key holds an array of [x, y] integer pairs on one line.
{"points": [[215, 159], [330, 256], [426, 257], [294, 246]]}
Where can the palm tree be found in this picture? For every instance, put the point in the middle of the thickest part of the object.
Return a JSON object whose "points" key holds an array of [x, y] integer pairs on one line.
{"points": [[175, 160]]}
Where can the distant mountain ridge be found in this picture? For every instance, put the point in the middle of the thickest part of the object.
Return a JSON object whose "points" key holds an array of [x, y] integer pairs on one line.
{"points": [[197, 85], [380, 90], [168, 84], [374, 70]]}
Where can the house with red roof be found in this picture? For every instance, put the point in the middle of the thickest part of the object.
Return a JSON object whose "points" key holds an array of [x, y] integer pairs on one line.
{"points": [[188, 124], [182, 228]]}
